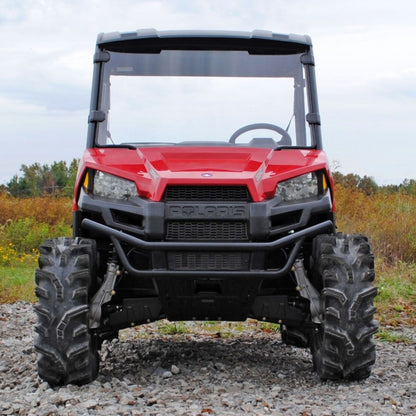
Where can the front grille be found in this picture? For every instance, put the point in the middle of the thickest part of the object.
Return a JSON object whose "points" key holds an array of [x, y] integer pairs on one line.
{"points": [[207, 193], [207, 231], [208, 261], [203, 222]]}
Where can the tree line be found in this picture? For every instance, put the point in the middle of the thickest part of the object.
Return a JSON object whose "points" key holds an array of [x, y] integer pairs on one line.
{"points": [[58, 179], [368, 185]]}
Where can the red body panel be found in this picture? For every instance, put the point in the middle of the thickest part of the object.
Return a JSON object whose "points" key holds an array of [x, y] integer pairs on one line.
{"points": [[153, 168]]}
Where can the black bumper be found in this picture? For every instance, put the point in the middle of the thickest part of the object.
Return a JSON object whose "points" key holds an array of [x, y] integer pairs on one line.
{"points": [[143, 225], [296, 239]]}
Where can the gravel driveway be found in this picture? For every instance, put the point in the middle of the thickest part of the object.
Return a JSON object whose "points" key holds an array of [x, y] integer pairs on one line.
{"points": [[251, 373]]}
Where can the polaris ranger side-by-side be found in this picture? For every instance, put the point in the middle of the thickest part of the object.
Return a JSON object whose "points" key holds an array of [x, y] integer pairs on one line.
{"points": [[204, 194]]}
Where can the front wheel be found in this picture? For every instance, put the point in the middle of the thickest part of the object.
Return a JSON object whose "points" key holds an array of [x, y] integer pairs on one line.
{"points": [[342, 346], [67, 351]]}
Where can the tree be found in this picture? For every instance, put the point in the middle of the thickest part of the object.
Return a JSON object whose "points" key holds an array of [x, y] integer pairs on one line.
{"points": [[367, 185], [353, 181], [71, 176], [349, 181], [408, 186], [37, 180]]}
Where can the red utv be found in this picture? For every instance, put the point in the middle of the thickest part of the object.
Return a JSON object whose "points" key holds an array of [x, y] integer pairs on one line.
{"points": [[204, 194]]}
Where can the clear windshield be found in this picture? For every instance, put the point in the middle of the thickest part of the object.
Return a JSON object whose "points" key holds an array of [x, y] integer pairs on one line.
{"points": [[203, 97]]}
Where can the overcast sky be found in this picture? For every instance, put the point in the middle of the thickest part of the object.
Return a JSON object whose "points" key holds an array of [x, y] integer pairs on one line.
{"points": [[365, 61]]}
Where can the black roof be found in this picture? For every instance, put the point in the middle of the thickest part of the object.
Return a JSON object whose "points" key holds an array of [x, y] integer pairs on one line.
{"points": [[153, 41]]}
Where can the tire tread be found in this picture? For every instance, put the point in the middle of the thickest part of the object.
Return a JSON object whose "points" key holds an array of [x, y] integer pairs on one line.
{"points": [[343, 347], [67, 351]]}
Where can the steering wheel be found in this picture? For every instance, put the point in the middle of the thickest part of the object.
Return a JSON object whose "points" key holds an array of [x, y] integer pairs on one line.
{"points": [[286, 140]]}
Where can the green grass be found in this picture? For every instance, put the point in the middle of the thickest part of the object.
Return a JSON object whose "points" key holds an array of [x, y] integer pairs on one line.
{"points": [[389, 336], [217, 329], [396, 299], [17, 283], [172, 328]]}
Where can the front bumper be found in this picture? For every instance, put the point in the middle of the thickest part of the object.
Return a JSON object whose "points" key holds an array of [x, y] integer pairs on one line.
{"points": [[296, 239], [142, 225]]}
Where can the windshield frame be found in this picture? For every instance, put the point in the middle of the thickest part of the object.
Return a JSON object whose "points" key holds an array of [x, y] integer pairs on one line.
{"points": [[197, 61]]}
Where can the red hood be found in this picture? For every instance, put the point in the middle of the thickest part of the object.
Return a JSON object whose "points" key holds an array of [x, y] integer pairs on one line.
{"points": [[153, 168]]}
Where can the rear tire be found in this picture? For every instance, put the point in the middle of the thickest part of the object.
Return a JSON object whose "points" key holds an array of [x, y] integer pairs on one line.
{"points": [[343, 347], [67, 351]]}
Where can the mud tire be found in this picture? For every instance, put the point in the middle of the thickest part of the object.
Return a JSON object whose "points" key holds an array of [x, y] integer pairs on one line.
{"points": [[67, 350], [342, 347], [294, 337]]}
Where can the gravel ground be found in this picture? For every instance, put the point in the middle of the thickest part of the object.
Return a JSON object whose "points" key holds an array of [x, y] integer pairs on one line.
{"points": [[250, 372]]}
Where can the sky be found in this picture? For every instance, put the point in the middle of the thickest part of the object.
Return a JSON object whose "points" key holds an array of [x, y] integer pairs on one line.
{"points": [[365, 57]]}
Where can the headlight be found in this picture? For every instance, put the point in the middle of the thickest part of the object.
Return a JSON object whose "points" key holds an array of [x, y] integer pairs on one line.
{"points": [[302, 187], [112, 187]]}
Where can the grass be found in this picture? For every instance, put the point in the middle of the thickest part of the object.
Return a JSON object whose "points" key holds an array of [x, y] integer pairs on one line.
{"points": [[172, 328], [389, 336], [17, 283], [47, 210], [388, 220], [17, 274], [396, 299], [216, 329]]}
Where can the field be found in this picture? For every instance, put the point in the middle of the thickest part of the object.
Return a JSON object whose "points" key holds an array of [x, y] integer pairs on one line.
{"points": [[390, 222], [387, 218], [24, 224]]}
